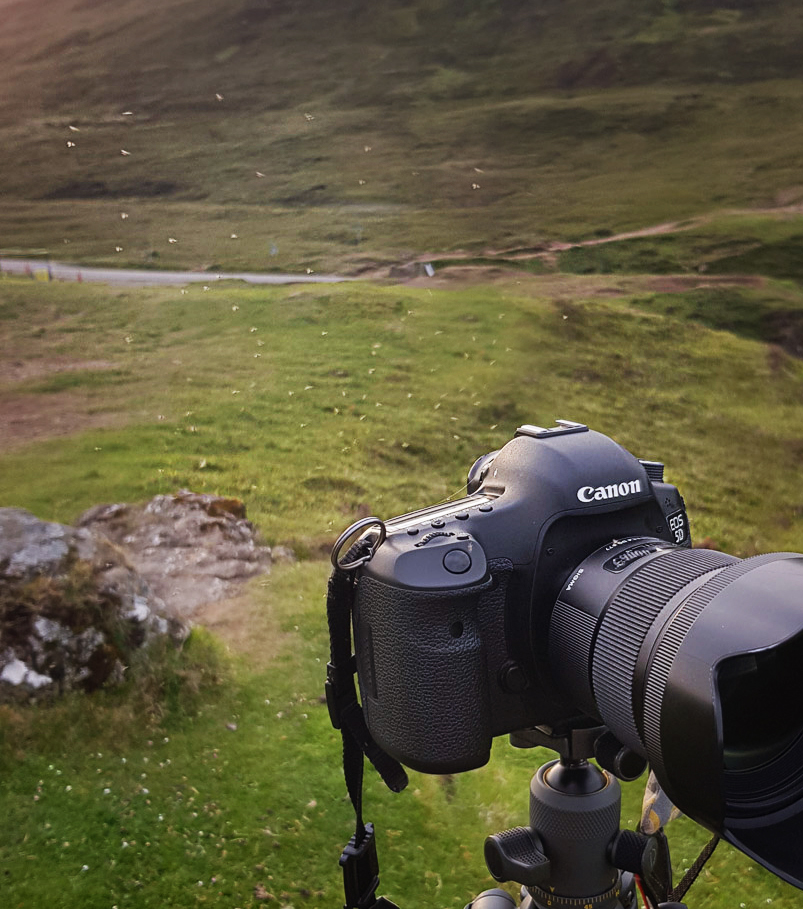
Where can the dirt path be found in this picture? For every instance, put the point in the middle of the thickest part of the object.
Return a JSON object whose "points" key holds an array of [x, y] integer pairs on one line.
{"points": [[550, 248]]}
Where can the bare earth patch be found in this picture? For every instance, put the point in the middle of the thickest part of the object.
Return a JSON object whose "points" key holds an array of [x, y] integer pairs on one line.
{"points": [[670, 284], [246, 624], [13, 371], [35, 418], [559, 283], [28, 418]]}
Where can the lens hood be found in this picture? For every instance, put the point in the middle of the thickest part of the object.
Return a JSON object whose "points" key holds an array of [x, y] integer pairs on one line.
{"points": [[722, 715], [692, 659]]}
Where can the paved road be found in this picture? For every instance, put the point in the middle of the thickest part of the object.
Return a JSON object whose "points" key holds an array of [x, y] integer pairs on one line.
{"points": [[134, 276]]}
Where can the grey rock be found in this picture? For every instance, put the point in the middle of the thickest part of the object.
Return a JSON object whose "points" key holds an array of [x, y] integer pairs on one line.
{"points": [[191, 548], [13, 672], [72, 608], [29, 546], [146, 570]]}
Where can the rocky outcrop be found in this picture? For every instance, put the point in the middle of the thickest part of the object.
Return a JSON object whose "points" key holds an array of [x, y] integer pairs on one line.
{"points": [[190, 548], [72, 608], [76, 602]]}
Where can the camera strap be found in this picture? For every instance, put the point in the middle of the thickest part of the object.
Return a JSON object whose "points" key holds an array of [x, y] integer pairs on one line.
{"points": [[359, 859]]}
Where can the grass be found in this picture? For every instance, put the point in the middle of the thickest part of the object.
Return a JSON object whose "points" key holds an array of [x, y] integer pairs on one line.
{"points": [[341, 139], [189, 810], [361, 397], [381, 396]]}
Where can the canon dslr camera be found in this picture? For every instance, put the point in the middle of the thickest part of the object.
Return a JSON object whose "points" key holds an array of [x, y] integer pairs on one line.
{"points": [[562, 593]]}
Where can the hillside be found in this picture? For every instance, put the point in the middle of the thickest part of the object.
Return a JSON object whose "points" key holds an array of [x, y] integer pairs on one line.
{"points": [[346, 135]]}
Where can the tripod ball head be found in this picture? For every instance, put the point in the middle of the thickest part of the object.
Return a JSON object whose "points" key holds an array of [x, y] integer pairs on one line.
{"points": [[492, 899]]}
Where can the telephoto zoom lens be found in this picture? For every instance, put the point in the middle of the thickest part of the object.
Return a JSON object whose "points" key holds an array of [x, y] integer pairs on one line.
{"points": [[693, 658]]}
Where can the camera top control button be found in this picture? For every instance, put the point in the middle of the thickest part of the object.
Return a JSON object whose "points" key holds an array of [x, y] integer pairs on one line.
{"points": [[485, 508], [457, 561], [462, 516], [438, 522]]}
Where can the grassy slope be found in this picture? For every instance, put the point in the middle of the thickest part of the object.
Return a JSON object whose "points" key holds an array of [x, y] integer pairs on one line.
{"points": [[360, 395], [569, 121]]}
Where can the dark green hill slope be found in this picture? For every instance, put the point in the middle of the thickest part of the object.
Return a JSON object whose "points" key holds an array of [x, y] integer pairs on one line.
{"points": [[366, 131]]}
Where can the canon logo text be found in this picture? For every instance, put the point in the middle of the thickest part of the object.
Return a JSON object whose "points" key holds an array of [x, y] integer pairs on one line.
{"points": [[613, 491]]}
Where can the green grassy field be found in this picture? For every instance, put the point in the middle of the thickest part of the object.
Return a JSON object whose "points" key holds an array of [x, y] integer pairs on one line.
{"points": [[499, 140], [312, 404]]}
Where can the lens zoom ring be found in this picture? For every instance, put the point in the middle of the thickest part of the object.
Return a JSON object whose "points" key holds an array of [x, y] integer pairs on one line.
{"points": [[672, 639], [625, 624]]}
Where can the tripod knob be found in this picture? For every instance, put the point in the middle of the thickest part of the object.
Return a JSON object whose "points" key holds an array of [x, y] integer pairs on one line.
{"points": [[517, 855]]}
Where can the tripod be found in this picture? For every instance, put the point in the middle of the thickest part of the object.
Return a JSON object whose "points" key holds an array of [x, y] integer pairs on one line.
{"points": [[573, 854]]}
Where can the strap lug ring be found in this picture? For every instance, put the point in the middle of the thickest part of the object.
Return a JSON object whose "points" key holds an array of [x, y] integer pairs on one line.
{"points": [[348, 533]]}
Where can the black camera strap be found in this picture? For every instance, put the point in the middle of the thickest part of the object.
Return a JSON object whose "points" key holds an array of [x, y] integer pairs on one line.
{"points": [[359, 859]]}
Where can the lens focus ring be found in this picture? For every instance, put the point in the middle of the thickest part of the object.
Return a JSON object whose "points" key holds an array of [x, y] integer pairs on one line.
{"points": [[625, 625]]}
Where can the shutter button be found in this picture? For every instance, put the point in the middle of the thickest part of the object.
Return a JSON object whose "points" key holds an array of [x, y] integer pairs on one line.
{"points": [[457, 561]]}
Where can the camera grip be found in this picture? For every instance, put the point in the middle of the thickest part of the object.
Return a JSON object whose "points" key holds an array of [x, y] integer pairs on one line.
{"points": [[422, 674]]}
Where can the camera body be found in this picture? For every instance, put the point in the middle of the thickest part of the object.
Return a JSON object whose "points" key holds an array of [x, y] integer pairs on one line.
{"points": [[453, 614]]}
